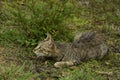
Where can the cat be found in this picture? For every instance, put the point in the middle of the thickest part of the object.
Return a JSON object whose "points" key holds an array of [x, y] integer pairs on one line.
{"points": [[86, 45]]}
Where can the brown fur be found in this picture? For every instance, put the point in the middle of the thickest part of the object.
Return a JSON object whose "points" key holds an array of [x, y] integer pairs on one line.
{"points": [[86, 46]]}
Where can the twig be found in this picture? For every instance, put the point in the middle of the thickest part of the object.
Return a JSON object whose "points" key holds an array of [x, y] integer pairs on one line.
{"points": [[104, 73]]}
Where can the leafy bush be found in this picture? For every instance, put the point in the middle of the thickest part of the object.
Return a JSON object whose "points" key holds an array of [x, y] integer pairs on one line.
{"points": [[36, 17]]}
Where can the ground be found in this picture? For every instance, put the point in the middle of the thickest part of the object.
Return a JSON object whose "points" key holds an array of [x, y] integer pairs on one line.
{"points": [[23, 22], [14, 55]]}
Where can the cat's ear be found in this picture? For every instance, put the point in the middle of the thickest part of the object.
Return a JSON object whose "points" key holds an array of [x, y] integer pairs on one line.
{"points": [[51, 44], [48, 37], [51, 41]]}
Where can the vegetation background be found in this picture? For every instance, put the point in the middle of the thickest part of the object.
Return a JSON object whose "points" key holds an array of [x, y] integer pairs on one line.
{"points": [[24, 22]]}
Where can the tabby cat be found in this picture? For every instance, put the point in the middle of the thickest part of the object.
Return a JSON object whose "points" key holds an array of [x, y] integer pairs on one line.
{"points": [[86, 45]]}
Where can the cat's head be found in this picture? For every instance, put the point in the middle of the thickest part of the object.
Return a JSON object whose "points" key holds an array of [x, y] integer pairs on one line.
{"points": [[46, 47]]}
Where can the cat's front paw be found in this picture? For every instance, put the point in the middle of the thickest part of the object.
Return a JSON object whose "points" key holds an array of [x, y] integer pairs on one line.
{"points": [[63, 64], [58, 64]]}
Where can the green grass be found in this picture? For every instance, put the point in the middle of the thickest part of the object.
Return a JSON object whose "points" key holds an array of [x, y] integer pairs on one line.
{"points": [[14, 72], [91, 69], [23, 23], [83, 73]]}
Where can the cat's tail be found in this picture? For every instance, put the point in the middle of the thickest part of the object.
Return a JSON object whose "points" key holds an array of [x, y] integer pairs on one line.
{"points": [[90, 38]]}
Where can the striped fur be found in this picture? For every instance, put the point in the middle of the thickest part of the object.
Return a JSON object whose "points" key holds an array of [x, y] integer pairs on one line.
{"points": [[86, 46]]}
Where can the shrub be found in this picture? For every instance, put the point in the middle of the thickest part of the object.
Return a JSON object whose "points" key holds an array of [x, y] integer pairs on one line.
{"points": [[35, 18]]}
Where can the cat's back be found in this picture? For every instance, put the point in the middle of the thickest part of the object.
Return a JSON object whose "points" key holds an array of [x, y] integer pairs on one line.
{"points": [[63, 46], [90, 38]]}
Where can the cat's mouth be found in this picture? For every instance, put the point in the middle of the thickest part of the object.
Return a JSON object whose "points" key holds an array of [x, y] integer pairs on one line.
{"points": [[38, 54], [42, 53]]}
